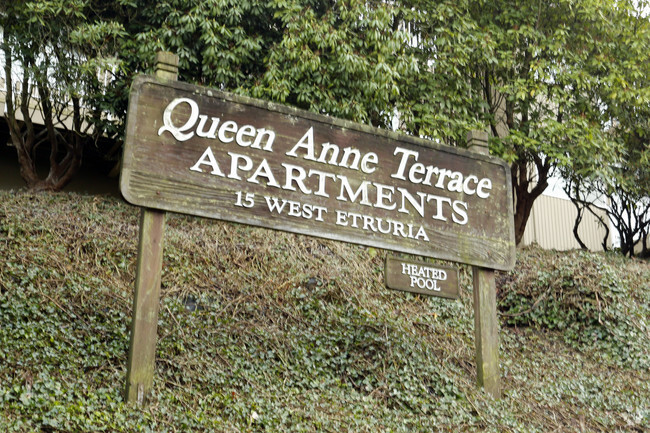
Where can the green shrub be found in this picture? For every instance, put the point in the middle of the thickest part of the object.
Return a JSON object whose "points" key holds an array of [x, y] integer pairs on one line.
{"points": [[585, 297]]}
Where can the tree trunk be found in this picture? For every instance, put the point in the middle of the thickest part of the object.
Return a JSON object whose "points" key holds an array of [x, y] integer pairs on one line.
{"points": [[576, 225], [26, 139], [572, 189], [524, 199]]}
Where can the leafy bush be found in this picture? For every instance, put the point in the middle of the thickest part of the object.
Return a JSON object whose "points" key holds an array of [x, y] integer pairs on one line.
{"points": [[585, 296]]}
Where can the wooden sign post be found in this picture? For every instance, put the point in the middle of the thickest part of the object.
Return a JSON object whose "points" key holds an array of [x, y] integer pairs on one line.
{"points": [[486, 325], [199, 151], [146, 298]]}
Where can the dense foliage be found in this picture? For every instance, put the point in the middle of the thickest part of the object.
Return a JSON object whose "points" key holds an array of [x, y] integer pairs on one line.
{"points": [[56, 57], [345, 59], [267, 331], [560, 85], [620, 186]]}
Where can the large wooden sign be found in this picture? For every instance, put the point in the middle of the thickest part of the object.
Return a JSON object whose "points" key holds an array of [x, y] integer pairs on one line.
{"points": [[199, 151]]}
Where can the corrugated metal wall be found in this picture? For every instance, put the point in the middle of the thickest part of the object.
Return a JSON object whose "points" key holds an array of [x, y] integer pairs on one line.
{"points": [[551, 226]]}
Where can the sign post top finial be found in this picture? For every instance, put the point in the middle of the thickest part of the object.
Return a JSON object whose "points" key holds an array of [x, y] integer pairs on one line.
{"points": [[477, 141], [166, 66]]}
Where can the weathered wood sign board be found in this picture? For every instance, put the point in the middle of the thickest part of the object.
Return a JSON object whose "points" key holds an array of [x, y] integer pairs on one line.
{"points": [[421, 277], [198, 151]]}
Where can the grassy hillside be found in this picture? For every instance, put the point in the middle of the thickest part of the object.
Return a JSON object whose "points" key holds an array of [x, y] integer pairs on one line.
{"points": [[267, 331]]}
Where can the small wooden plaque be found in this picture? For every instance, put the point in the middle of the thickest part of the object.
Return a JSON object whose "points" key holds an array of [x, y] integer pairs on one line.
{"points": [[421, 277]]}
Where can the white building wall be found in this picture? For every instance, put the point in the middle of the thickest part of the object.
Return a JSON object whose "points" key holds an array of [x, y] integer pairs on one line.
{"points": [[551, 226]]}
